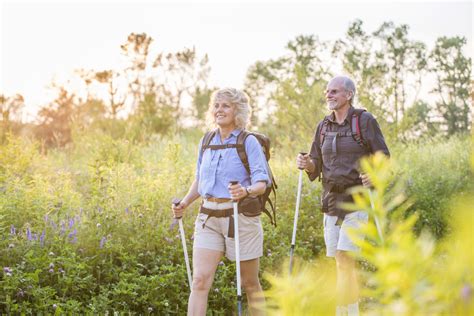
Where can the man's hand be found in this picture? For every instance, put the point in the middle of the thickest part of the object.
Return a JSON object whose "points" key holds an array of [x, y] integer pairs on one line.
{"points": [[365, 180], [303, 162]]}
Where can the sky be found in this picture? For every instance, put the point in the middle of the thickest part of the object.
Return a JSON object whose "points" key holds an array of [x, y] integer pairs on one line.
{"points": [[41, 41]]}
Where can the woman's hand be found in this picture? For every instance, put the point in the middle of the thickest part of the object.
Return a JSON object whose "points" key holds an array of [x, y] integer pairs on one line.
{"points": [[237, 192], [178, 209]]}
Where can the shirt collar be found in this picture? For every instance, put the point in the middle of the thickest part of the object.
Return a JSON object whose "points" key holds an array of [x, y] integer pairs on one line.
{"points": [[332, 116]]}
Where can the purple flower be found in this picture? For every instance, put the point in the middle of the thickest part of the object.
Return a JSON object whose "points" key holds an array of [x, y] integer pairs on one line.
{"points": [[60, 270], [102, 242], [63, 228], [55, 306], [28, 234], [221, 263], [7, 270], [126, 210], [20, 293], [51, 270], [466, 292], [46, 218], [51, 265], [43, 234], [169, 240], [73, 233], [71, 222], [12, 229], [35, 236], [53, 224]]}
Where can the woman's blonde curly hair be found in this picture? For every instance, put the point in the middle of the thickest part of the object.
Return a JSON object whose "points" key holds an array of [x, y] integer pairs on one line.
{"points": [[236, 98]]}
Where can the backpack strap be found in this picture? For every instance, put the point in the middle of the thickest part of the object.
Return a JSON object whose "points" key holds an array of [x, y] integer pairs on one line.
{"points": [[356, 130], [240, 146], [206, 140], [323, 131]]}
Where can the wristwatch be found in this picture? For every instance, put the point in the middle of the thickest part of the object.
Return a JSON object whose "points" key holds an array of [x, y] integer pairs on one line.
{"points": [[249, 190]]}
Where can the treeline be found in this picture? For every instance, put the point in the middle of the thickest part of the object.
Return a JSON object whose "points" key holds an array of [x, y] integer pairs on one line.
{"points": [[167, 92]]}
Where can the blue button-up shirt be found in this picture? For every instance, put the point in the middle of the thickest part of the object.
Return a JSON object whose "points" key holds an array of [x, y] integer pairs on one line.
{"points": [[216, 168]]}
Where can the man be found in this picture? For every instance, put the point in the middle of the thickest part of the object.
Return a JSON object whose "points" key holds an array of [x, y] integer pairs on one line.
{"points": [[335, 152]]}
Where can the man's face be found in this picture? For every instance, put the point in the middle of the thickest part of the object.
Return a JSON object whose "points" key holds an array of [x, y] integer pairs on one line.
{"points": [[336, 96]]}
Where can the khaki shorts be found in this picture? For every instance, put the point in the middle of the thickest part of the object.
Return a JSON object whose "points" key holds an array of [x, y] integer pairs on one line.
{"points": [[337, 237], [214, 236]]}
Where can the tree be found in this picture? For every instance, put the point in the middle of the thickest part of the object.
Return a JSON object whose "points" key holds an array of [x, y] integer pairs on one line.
{"points": [[291, 86], [452, 70], [117, 98], [358, 55], [10, 108], [404, 62], [56, 119]]}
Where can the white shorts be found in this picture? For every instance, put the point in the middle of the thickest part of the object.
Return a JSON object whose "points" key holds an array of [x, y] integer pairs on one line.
{"points": [[337, 237]]}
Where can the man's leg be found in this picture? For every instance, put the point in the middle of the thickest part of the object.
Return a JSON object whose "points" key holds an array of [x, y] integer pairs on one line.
{"points": [[347, 284], [252, 287], [204, 267]]}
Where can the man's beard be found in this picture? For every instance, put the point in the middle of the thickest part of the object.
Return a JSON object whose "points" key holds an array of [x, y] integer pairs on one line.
{"points": [[333, 105]]}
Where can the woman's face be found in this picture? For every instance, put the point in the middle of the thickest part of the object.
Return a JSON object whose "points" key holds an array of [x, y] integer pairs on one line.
{"points": [[224, 113]]}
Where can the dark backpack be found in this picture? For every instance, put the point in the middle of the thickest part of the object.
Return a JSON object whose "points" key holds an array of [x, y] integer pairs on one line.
{"points": [[240, 147], [355, 129]]}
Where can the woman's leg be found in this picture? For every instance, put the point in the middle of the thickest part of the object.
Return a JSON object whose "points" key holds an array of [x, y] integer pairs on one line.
{"points": [[204, 267], [252, 287]]}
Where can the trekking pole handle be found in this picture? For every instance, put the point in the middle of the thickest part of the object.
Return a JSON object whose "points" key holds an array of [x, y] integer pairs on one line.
{"points": [[303, 153], [176, 202]]}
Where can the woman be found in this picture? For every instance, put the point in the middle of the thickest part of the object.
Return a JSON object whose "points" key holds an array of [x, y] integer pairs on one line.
{"points": [[229, 111]]}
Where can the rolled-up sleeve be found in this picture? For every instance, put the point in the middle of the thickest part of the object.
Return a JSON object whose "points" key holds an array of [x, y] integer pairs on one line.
{"points": [[257, 161]]}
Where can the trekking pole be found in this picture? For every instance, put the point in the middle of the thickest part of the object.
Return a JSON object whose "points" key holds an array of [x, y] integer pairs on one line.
{"points": [[183, 242], [295, 221], [376, 219], [237, 252]]}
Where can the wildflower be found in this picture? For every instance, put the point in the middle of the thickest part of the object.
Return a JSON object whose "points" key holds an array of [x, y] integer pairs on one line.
{"points": [[55, 306], [466, 293], [51, 254], [221, 263], [43, 234], [51, 265], [169, 240], [63, 228], [51, 270], [73, 233], [20, 293], [60, 270], [28, 234], [12, 229], [102, 242], [140, 215], [71, 222], [126, 212], [150, 309], [8, 271], [98, 225], [46, 218]]}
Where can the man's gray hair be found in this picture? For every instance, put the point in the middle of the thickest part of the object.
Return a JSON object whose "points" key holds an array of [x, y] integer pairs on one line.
{"points": [[348, 85]]}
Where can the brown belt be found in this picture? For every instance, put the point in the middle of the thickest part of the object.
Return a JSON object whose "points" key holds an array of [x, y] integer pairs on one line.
{"points": [[218, 200]]}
